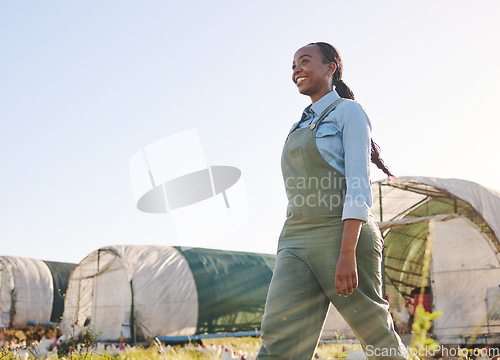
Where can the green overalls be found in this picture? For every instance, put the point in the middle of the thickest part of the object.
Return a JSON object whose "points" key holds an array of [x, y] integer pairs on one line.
{"points": [[303, 282]]}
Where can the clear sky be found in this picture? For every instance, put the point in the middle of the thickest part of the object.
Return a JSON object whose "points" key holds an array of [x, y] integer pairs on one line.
{"points": [[85, 84]]}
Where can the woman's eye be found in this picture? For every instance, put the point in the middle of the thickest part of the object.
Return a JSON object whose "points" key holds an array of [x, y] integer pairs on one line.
{"points": [[304, 61]]}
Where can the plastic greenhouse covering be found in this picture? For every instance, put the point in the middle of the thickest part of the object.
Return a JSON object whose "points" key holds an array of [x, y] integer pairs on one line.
{"points": [[31, 290], [141, 292]]}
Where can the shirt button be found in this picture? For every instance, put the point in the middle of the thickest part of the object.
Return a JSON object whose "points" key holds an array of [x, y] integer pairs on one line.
{"points": [[319, 132], [312, 126]]}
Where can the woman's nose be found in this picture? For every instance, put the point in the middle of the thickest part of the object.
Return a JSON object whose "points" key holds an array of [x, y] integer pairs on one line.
{"points": [[296, 71]]}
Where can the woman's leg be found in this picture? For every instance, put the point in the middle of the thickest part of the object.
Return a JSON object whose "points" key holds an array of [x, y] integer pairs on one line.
{"points": [[364, 310], [295, 310]]}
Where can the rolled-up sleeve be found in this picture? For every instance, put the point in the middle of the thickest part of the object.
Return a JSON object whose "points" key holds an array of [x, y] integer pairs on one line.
{"points": [[356, 139]]}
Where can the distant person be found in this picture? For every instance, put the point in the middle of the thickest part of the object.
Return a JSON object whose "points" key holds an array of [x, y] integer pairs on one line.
{"points": [[330, 247]]}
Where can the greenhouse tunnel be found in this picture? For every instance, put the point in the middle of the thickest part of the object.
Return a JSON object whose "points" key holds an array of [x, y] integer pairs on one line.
{"points": [[31, 290], [143, 291], [411, 198]]}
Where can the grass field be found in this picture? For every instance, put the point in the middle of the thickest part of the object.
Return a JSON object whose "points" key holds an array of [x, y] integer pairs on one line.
{"points": [[243, 346]]}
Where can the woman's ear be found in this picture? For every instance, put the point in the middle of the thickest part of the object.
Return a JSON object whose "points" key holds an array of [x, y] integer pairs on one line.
{"points": [[332, 67]]}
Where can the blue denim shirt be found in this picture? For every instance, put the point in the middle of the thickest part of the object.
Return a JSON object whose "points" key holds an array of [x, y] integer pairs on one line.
{"points": [[343, 139]]}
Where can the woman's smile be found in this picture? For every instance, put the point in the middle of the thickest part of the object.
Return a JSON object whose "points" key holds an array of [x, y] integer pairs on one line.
{"points": [[300, 79]]}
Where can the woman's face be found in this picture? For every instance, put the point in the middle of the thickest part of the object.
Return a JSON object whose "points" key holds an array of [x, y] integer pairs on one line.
{"points": [[310, 74]]}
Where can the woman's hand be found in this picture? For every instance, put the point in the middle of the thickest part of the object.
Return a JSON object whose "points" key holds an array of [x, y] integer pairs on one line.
{"points": [[346, 273]]}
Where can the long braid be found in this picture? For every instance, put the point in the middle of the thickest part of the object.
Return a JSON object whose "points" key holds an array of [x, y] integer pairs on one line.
{"points": [[377, 160], [331, 54]]}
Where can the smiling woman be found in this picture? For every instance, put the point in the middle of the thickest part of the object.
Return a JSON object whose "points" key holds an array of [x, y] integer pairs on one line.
{"points": [[309, 72], [330, 244]]}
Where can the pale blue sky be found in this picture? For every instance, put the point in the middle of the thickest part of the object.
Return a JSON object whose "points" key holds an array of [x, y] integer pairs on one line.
{"points": [[86, 84]]}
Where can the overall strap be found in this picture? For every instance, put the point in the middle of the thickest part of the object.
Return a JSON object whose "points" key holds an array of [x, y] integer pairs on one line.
{"points": [[325, 113]]}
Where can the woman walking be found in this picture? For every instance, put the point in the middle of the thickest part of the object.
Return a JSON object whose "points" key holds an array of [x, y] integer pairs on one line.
{"points": [[330, 247]]}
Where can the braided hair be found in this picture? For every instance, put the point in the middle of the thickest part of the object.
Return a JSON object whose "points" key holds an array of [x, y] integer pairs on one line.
{"points": [[331, 54]]}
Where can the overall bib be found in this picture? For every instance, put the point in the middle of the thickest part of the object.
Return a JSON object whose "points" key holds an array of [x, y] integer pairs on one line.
{"points": [[303, 281]]}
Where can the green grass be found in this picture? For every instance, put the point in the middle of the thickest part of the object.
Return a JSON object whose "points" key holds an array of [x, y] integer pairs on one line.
{"points": [[249, 345]]}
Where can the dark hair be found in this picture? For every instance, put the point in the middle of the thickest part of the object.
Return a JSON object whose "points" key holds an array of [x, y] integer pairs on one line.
{"points": [[331, 54]]}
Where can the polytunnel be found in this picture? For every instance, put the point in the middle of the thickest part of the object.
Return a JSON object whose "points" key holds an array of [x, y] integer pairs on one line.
{"points": [[461, 219], [31, 290], [141, 292]]}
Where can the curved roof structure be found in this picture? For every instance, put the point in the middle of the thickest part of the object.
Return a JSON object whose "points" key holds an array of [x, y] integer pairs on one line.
{"points": [[415, 196], [31, 290], [143, 291], [403, 208]]}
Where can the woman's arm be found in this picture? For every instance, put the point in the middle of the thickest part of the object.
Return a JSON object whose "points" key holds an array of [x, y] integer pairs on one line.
{"points": [[356, 139], [346, 274]]}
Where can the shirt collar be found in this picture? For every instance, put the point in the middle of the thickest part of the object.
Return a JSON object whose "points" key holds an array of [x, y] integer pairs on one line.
{"points": [[319, 106]]}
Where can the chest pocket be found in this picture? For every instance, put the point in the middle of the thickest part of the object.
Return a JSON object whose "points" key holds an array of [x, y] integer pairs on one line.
{"points": [[327, 130]]}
